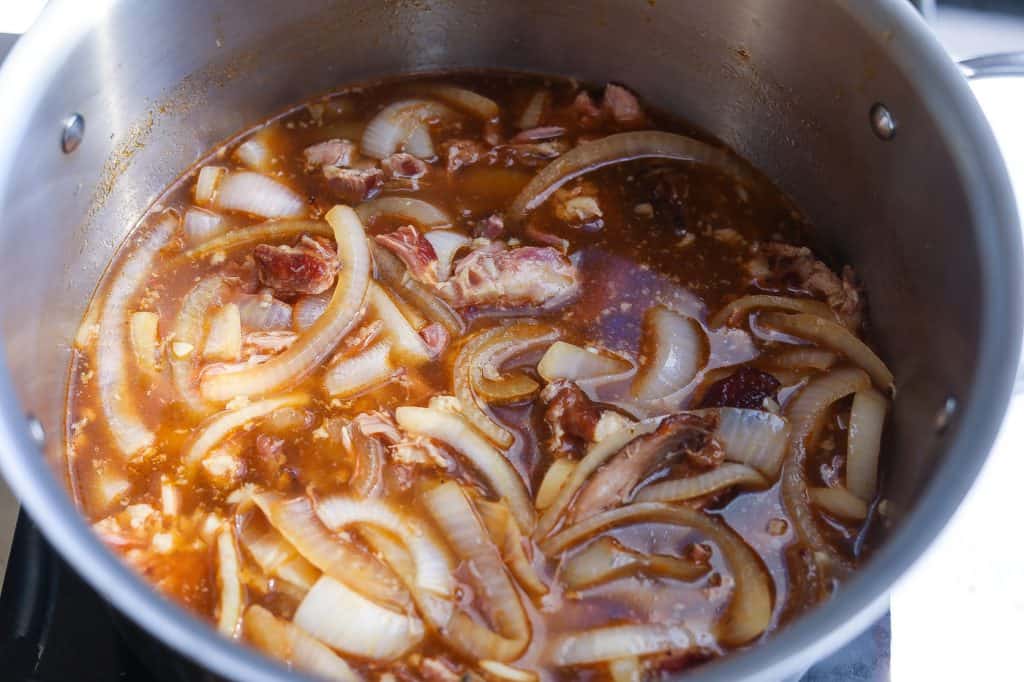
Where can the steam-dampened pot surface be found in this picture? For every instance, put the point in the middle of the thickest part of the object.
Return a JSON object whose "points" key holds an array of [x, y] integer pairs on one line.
{"points": [[215, 432]]}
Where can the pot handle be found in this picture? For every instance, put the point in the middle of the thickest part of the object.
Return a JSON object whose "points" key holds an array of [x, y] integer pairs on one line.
{"points": [[993, 66]]}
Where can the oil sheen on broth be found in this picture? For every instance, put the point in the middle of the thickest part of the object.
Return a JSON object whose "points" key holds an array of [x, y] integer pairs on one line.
{"points": [[565, 396]]}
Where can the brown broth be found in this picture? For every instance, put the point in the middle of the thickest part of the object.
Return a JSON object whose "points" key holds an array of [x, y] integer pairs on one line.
{"points": [[689, 257]]}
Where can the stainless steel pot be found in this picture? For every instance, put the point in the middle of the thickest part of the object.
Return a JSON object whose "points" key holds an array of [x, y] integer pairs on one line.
{"points": [[849, 104]]}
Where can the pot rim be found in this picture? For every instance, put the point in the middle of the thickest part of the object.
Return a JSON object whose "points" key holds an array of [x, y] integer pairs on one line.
{"points": [[31, 66]]}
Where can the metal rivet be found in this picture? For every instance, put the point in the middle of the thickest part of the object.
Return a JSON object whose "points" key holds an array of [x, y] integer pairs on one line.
{"points": [[72, 133], [35, 430], [883, 122], [945, 414]]}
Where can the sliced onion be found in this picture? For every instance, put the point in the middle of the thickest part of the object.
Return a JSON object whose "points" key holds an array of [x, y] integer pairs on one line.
{"points": [[839, 502], [143, 334], [804, 358], [554, 480], [255, 154], [575, 363], [201, 226], [116, 397], [867, 416], [273, 230], [835, 336], [619, 641], [750, 608], [534, 111], [433, 566], [224, 340], [407, 346], [356, 373], [725, 476], [256, 194], [676, 349], [755, 438], [188, 329], [476, 354], [486, 377], [456, 432], [606, 559], [229, 605], [597, 455], [217, 428], [274, 555], [392, 273], [507, 672], [742, 306], [297, 522], [446, 244], [618, 148], [207, 182], [263, 312], [454, 515], [505, 534], [467, 100], [399, 123], [368, 472], [308, 309], [289, 643], [418, 211], [806, 412], [312, 347], [352, 624]]}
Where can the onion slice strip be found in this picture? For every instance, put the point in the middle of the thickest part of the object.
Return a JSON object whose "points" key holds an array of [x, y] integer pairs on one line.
{"points": [[725, 476], [619, 641], [619, 148], [418, 211], [867, 416], [312, 348], [229, 607], [220, 426], [589, 368], [804, 358], [750, 608], [741, 306], [274, 555], [297, 522], [257, 194], [289, 643], [264, 232], [554, 480], [406, 344], [835, 336], [606, 559], [598, 454], [352, 624], [357, 373], [515, 339], [453, 513], [399, 123], [806, 412], [755, 438], [126, 426], [188, 328], [676, 349], [456, 432], [839, 502], [392, 273], [505, 534], [467, 100]]}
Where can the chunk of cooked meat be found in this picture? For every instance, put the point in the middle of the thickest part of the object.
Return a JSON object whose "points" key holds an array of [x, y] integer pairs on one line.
{"points": [[270, 459], [329, 153], [621, 105], [775, 266], [414, 250], [492, 227], [571, 416], [585, 109], [404, 165], [353, 185], [678, 436], [436, 336], [306, 268], [495, 276], [461, 153], [402, 448], [747, 387], [577, 206]]}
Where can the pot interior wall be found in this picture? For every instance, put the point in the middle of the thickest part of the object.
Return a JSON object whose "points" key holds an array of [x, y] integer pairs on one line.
{"points": [[160, 83]]}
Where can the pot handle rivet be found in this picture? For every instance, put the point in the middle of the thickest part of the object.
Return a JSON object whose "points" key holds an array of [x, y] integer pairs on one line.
{"points": [[883, 122], [35, 430], [73, 130], [945, 414]]}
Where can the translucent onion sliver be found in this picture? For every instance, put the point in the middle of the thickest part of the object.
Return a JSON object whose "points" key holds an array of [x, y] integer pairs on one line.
{"points": [[741, 306], [418, 211], [229, 607], [839, 502], [867, 416], [724, 476], [290, 643], [220, 426], [619, 641], [676, 349]]}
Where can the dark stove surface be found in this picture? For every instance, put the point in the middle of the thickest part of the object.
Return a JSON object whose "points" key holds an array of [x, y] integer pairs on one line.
{"points": [[54, 628]]}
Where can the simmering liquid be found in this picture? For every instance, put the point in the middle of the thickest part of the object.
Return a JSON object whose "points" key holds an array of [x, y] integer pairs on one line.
{"points": [[483, 375]]}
